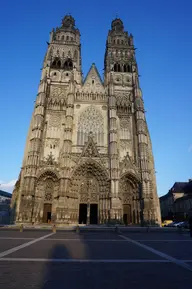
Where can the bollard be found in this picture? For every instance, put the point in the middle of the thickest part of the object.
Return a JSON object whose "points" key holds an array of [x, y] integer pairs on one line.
{"points": [[21, 228], [77, 229], [54, 229]]}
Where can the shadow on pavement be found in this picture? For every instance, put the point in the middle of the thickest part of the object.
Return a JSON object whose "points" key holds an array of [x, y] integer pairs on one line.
{"points": [[63, 274]]}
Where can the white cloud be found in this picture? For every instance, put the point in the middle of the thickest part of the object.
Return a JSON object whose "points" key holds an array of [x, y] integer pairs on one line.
{"points": [[7, 187]]}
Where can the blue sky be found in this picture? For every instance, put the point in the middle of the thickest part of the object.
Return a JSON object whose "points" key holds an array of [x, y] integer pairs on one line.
{"points": [[162, 32]]}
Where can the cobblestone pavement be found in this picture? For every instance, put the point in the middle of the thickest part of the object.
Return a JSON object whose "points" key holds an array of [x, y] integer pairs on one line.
{"points": [[42, 259]]}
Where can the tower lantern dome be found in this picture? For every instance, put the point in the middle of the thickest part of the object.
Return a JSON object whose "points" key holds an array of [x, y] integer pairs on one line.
{"points": [[68, 22], [117, 25]]}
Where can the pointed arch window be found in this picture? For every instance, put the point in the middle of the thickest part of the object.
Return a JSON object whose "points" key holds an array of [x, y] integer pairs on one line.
{"points": [[56, 63], [75, 55], [90, 120], [127, 68], [117, 67], [68, 64]]}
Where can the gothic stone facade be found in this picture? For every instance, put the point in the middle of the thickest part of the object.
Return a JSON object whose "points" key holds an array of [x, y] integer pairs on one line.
{"points": [[88, 155]]}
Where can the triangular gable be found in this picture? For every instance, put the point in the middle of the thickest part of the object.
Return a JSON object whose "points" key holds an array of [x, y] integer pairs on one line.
{"points": [[90, 148], [128, 166], [93, 80]]}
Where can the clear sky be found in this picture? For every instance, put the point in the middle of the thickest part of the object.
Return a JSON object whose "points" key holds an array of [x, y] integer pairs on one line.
{"points": [[162, 32]]}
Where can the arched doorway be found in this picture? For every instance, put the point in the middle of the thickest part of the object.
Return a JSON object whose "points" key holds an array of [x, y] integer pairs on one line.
{"points": [[88, 199], [48, 199], [46, 192], [130, 199], [91, 186]]}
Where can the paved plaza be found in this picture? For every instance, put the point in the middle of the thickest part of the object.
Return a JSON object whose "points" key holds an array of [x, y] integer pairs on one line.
{"points": [[95, 259]]}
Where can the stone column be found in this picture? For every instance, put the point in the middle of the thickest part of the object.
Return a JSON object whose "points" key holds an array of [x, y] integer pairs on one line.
{"points": [[88, 213], [113, 153], [66, 149], [142, 134]]}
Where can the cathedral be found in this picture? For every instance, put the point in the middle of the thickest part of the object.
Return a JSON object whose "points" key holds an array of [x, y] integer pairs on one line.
{"points": [[88, 157]]}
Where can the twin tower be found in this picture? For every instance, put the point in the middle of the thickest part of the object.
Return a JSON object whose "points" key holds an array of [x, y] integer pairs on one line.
{"points": [[88, 156]]}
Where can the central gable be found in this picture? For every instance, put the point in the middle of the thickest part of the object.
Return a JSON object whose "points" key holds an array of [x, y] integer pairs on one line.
{"points": [[93, 82]]}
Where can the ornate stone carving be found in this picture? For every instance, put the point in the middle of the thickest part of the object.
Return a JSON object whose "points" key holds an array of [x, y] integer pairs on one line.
{"points": [[52, 143], [127, 165], [95, 97], [125, 144], [58, 91], [123, 103], [90, 149], [123, 96], [124, 122], [50, 159], [94, 198], [90, 120], [84, 198], [54, 120], [49, 189]]}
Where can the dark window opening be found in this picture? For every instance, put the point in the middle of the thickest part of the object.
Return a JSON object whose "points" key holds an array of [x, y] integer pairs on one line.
{"points": [[117, 67], [53, 64], [56, 63], [68, 65], [127, 68], [92, 81]]}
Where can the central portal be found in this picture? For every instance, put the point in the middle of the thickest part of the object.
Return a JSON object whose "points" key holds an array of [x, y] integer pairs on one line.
{"points": [[93, 213], [83, 214]]}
